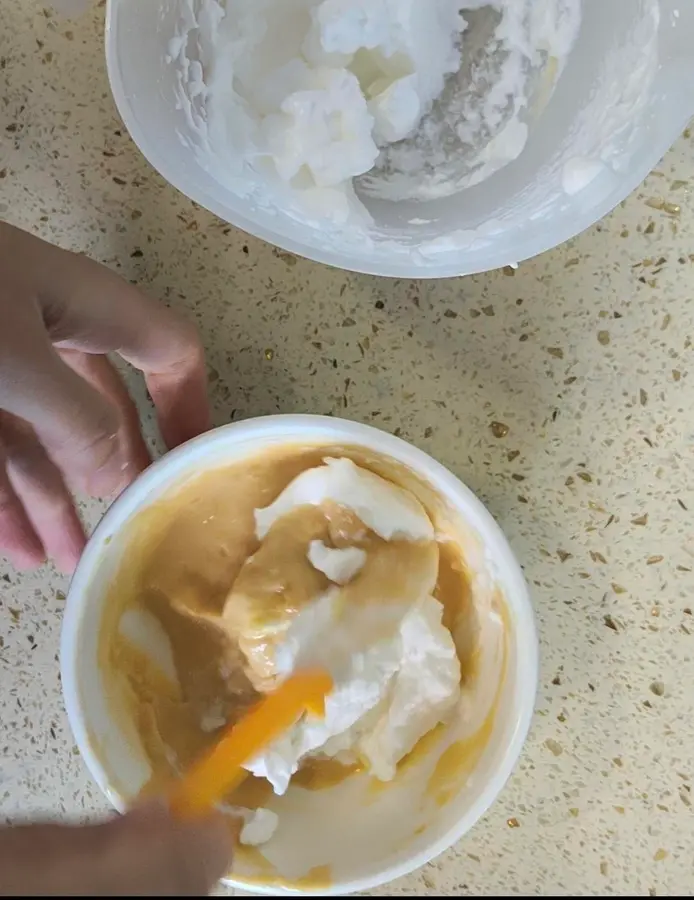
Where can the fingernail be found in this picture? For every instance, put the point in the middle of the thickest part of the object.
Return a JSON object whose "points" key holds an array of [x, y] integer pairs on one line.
{"points": [[26, 560], [68, 547], [27, 552]]}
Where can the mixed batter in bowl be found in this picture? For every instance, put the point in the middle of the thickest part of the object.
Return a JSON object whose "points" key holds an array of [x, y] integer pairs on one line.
{"points": [[231, 581], [228, 564]]}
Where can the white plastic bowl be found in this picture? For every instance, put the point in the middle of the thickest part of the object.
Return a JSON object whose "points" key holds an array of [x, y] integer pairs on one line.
{"points": [[370, 841], [601, 110]]}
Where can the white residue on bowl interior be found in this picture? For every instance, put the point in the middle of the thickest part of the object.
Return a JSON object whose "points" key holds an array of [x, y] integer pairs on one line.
{"points": [[315, 93], [318, 108]]}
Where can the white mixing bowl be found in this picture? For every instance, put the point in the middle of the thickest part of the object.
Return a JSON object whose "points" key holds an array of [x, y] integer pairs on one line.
{"points": [[621, 101], [366, 838]]}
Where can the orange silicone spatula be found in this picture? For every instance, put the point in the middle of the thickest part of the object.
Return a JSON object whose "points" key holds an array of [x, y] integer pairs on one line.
{"points": [[220, 770]]}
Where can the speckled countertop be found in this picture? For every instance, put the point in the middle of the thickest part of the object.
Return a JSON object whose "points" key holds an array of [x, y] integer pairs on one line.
{"points": [[584, 356]]}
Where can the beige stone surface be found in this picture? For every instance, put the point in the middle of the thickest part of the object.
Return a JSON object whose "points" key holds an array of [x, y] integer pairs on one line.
{"points": [[585, 354]]}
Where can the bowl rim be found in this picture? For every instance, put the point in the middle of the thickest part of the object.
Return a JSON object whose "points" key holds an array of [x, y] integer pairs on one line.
{"points": [[288, 428]]}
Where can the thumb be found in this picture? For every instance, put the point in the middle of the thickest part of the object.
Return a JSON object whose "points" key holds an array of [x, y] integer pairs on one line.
{"points": [[185, 857], [143, 854], [78, 427]]}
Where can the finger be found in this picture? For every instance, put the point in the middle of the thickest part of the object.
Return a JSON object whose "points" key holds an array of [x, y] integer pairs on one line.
{"points": [[101, 313], [78, 427], [186, 857], [88, 307], [149, 855], [100, 373], [18, 540], [150, 805], [43, 494]]}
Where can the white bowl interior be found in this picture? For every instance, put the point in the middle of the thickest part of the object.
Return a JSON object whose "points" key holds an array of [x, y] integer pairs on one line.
{"points": [[366, 837], [623, 98]]}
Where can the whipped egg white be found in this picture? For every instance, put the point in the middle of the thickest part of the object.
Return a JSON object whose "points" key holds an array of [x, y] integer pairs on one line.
{"points": [[391, 692]]}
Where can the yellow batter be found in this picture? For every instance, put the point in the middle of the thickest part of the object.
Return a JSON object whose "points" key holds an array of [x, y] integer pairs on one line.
{"points": [[185, 553]]}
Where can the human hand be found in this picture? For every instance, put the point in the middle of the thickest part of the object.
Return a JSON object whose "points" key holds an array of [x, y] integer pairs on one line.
{"points": [[144, 853], [66, 419]]}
